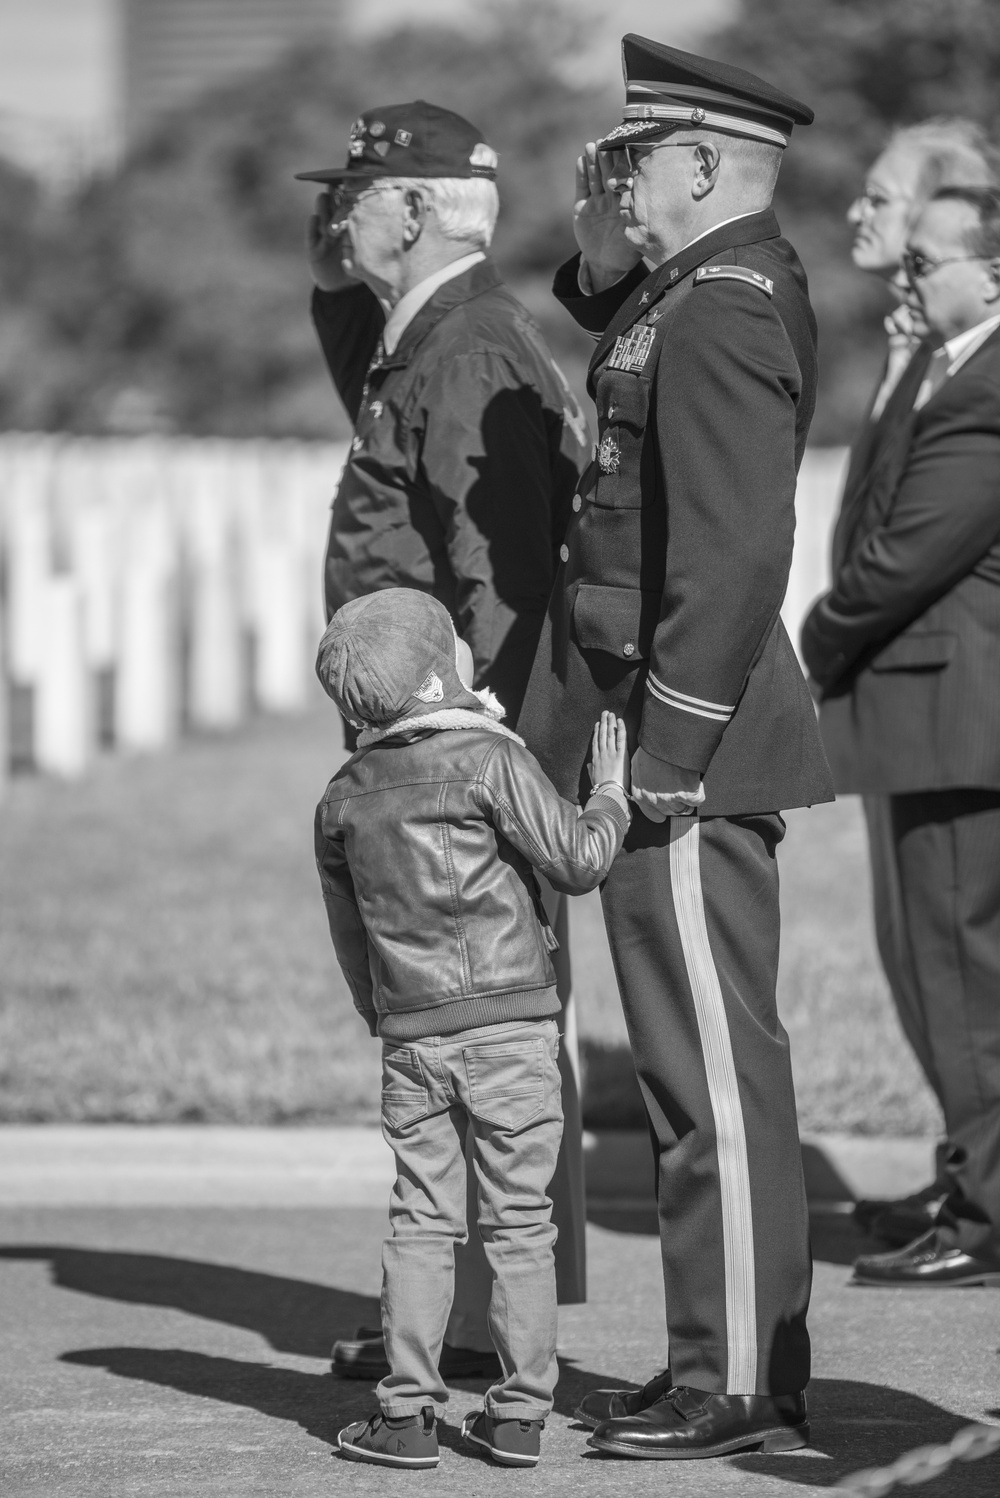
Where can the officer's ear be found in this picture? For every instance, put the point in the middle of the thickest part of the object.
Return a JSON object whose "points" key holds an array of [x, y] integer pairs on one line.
{"points": [[414, 215], [707, 159]]}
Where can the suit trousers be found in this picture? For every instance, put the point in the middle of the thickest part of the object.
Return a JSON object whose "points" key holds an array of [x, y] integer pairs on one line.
{"points": [[691, 908], [947, 855]]}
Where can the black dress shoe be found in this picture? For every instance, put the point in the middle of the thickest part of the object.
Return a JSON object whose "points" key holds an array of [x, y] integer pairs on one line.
{"points": [[615, 1404], [928, 1262], [689, 1423], [899, 1222], [364, 1357]]}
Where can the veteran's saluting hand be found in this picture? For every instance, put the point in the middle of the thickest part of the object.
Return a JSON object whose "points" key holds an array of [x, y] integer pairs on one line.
{"points": [[326, 242]]}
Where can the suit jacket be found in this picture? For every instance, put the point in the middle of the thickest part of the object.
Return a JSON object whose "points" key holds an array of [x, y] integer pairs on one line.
{"points": [[906, 644], [665, 607]]}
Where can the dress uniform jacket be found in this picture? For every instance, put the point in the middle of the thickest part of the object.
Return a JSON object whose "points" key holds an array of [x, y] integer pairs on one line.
{"points": [[467, 447], [906, 643], [677, 559]]}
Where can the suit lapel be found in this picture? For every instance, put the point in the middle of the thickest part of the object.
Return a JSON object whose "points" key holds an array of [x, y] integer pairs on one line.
{"points": [[859, 512], [749, 229]]}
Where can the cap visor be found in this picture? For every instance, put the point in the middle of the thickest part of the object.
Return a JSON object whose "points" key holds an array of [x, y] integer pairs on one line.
{"points": [[632, 130], [340, 173]]}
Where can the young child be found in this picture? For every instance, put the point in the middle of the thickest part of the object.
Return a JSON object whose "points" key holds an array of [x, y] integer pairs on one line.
{"points": [[425, 841]]}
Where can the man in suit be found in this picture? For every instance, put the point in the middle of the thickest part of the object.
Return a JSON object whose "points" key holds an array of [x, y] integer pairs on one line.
{"points": [[917, 161], [904, 648], [665, 610], [467, 448]]}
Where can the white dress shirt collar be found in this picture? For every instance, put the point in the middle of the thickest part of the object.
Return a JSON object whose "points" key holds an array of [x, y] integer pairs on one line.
{"points": [[406, 309], [964, 345]]}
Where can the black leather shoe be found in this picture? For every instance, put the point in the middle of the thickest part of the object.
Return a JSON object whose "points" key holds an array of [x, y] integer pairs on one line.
{"points": [[926, 1263], [616, 1404], [689, 1423], [899, 1222], [364, 1357]]}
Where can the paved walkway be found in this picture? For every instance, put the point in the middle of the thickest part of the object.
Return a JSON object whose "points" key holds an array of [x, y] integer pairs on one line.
{"points": [[181, 1350]]}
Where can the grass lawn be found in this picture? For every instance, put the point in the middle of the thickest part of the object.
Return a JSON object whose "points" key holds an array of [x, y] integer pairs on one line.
{"points": [[164, 954]]}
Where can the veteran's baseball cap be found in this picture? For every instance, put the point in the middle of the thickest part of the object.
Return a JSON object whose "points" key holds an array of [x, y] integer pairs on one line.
{"points": [[669, 90], [411, 140]]}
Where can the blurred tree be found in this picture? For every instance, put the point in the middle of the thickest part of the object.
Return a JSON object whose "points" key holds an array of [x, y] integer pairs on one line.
{"points": [[175, 292], [865, 66]]}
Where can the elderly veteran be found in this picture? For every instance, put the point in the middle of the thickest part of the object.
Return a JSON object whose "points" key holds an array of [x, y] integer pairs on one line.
{"points": [[904, 647], [467, 449], [666, 612]]}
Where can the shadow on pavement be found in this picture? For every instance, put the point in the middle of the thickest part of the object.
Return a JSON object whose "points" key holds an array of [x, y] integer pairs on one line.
{"points": [[857, 1425], [294, 1316]]}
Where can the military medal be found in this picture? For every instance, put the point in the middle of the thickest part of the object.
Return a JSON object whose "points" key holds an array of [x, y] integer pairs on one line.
{"points": [[608, 454], [632, 349]]}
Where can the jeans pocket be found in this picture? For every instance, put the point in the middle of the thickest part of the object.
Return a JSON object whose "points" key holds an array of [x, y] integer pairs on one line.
{"points": [[404, 1093], [506, 1081]]}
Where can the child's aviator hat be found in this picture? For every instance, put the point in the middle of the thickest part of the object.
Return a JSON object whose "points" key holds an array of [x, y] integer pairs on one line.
{"points": [[390, 656]]}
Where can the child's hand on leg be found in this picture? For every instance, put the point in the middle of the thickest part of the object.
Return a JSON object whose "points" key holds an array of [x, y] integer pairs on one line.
{"points": [[608, 752]]}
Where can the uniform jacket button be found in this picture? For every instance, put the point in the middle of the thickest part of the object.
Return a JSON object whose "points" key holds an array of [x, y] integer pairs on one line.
{"points": [[628, 648], [577, 504], [564, 552]]}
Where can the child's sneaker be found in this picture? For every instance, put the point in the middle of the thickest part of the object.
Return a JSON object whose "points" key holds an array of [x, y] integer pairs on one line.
{"points": [[409, 1441], [512, 1443]]}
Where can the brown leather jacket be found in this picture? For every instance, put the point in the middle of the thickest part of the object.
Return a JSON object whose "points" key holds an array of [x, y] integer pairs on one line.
{"points": [[425, 844]]}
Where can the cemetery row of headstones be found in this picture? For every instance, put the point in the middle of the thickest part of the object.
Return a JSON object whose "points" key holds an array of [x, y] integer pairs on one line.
{"points": [[149, 586]]}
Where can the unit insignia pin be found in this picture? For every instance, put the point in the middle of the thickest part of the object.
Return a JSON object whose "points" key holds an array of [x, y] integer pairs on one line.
{"points": [[376, 128], [644, 299], [608, 454]]}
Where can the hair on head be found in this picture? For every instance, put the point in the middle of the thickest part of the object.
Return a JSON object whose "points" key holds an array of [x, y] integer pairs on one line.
{"points": [[952, 152], [984, 239]]}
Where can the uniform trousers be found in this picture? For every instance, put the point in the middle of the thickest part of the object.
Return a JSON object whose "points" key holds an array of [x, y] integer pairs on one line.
{"points": [[946, 856], [691, 908]]}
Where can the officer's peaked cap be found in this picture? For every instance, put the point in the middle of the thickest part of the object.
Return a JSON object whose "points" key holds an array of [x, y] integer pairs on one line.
{"points": [[411, 140], [669, 90]]}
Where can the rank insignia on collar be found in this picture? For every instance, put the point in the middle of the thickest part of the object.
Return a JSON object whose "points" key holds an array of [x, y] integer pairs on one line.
{"points": [[674, 273], [632, 349], [608, 454], [654, 314]]}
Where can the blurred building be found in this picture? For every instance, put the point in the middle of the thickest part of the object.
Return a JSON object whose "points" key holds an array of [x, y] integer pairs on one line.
{"points": [[174, 49]]}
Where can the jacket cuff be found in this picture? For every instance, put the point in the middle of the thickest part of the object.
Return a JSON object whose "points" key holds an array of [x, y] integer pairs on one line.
{"points": [[682, 731], [593, 313]]}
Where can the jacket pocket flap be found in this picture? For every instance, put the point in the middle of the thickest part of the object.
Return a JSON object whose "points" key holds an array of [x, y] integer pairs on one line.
{"points": [[916, 652], [619, 620]]}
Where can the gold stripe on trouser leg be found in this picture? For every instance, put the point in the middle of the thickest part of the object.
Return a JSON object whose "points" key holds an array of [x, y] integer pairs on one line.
{"points": [[723, 1090]]}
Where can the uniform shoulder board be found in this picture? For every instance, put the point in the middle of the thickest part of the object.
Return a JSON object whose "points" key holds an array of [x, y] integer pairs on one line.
{"points": [[735, 273]]}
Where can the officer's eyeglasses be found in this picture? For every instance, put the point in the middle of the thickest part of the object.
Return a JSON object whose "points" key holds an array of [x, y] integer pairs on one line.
{"points": [[917, 266], [626, 160]]}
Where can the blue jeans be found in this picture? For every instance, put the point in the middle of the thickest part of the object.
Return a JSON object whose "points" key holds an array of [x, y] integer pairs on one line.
{"points": [[502, 1082]]}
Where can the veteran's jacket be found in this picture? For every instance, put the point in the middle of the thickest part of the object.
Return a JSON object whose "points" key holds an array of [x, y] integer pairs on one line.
{"points": [[467, 448], [906, 643], [665, 607]]}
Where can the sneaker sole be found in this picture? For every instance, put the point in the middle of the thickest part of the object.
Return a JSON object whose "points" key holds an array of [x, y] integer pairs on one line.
{"points": [[505, 1458], [382, 1459], [968, 1281], [769, 1443]]}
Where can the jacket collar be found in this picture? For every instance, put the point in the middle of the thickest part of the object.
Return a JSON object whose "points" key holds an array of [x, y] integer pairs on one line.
{"points": [[750, 229], [480, 278]]}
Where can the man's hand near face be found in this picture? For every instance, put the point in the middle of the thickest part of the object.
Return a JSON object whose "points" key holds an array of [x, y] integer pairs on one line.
{"points": [[325, 247], [661, 790], [597, 221]]}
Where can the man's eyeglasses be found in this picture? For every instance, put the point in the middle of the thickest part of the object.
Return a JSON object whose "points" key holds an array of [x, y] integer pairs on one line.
{"points": [[917, 266], [633, 156], [346, 196], [874, 198]]}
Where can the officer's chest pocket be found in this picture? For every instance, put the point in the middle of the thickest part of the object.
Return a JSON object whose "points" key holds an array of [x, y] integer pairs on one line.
{"points": [[621, 621], [623, 412], [506, 1082]]}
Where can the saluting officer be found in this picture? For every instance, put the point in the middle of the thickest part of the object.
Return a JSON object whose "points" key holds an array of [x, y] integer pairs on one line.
{"points": [[665, 610]]}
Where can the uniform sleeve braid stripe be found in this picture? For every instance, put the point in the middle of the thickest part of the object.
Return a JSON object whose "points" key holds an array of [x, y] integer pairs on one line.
{"points": [[685, 707], [717, 707]]}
